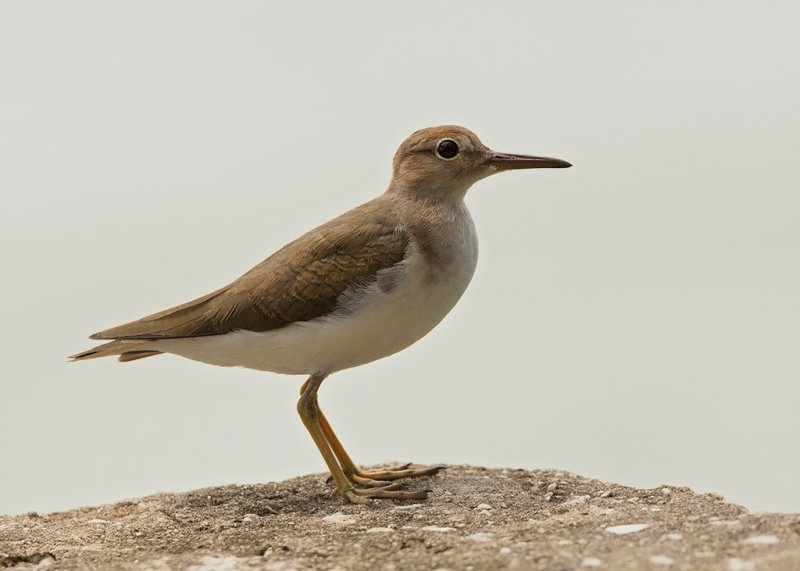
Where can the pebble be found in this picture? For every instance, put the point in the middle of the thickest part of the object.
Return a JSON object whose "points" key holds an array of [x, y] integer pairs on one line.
{"points": [[210, 563], [729, 523], [600, 511], [437, 528], [339, 517], [591, 562], [483, 507], [662, 560], [505, 550], [627, 528], [736, 564], [575, 500], [410, 507], [674, 536], [761, 540], [481, 537]]}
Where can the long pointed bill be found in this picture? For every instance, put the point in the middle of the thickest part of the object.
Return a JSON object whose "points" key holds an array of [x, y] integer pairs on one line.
{"points": [[506, 161]]}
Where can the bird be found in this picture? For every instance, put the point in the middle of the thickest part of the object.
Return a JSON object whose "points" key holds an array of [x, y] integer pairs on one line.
{"points": [[360, 287]]}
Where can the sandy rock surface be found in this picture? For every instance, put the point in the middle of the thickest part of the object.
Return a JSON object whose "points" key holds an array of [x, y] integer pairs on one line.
{"points": [[475, 518]]}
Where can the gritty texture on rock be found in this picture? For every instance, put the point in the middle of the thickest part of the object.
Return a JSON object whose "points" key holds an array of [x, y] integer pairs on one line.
{"points": [[475, 518]]}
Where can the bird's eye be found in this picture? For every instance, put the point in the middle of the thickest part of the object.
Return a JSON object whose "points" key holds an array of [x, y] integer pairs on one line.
{"points": [[447, 148]]}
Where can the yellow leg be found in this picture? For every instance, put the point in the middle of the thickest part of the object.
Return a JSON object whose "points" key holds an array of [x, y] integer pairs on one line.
{"points": [[343, 470], [369, 477]]}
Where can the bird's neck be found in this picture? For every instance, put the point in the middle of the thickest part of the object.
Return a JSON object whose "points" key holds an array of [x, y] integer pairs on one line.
{"points": [[446, 196]]}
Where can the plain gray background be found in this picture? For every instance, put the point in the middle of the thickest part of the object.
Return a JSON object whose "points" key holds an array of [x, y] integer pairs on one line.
{"points": [[634, 318]]}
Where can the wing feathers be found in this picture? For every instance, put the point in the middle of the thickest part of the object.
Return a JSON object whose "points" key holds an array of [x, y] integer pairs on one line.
{"points": [[300, 282]]}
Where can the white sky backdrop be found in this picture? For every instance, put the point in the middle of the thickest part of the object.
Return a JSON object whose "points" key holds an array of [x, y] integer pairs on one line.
{"points": [[635, 318]]}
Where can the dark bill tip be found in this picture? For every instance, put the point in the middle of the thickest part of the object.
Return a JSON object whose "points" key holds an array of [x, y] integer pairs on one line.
{"points": [[506, 161]]}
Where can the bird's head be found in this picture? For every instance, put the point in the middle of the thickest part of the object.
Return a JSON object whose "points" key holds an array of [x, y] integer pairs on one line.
{"points": [[441, 162]]}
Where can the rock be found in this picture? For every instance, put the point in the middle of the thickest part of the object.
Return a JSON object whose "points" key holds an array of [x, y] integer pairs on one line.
{"points": [[297, 525]]}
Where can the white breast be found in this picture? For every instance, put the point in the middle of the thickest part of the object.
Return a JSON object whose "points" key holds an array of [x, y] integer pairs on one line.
{"points": [[373, 324]]}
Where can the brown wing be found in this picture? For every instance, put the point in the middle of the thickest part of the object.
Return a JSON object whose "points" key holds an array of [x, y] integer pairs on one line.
{"points": [[301, 281]]}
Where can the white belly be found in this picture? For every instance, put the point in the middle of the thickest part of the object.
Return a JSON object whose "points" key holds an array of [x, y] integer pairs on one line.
{"points": [[376, 325]]}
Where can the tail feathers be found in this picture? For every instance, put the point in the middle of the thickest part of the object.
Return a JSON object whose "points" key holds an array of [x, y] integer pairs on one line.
{"points": [[133, 355], [127, 349]]}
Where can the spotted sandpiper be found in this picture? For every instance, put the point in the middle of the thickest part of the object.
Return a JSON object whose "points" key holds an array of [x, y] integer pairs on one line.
{"points": [[360, 287]]}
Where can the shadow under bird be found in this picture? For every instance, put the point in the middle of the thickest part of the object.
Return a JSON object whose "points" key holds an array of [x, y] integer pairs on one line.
{"points": [[360, 287]]}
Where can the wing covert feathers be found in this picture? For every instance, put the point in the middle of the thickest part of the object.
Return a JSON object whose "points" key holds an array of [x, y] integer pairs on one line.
{"points": [[301, 281]]}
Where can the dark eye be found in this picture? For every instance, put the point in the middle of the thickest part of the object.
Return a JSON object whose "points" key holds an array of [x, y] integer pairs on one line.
{"points": [[447, 148]]}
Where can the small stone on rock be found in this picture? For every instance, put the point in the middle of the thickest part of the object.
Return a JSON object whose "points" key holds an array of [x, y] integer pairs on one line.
{"points": [[761, 540], [627, 528], [575, 500], [409, 507], [600, 511], [338, 517], [736, 564]]}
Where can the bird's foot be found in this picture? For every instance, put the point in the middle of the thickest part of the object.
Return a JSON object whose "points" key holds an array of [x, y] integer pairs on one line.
{"points": [[391, 474], [365, 485], [389, 492], [382, 478]]}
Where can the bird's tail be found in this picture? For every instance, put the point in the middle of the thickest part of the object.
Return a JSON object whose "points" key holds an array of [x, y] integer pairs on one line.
{"points": [[127, 349]]}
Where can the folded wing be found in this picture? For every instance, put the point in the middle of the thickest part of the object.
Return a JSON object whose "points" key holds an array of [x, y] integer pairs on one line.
{"points": [[300, 282]]}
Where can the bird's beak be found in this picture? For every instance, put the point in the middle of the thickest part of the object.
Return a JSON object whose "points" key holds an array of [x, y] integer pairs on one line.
{"points": [[506, 161]]}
